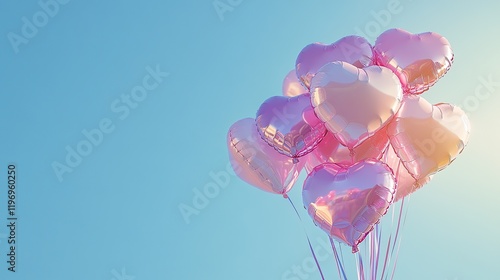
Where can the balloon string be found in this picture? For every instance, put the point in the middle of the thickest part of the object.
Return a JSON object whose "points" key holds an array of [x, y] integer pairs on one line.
{"points": [[379, 238], [399, 224], [386, 257], [336, 258], [341, 254], [308, 240], [371, 251], [339, 262], [390, 252], [374, 247], [399, 218], [357, 266], [361, 271], [400, 239], [396, 259]]}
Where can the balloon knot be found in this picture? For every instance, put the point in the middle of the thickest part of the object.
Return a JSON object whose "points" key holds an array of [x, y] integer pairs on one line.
{"points": [[355, 249]]}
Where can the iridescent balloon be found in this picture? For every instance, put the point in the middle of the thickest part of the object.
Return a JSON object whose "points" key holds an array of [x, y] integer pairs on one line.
{"points": [[419, 60], [351, 49], [289, 125], [292, 86], [347, 201], [355, 103], [406, 184], [428, 138], [330, 150], [258, 164]]}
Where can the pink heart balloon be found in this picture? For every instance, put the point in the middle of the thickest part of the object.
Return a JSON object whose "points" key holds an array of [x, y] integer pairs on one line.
{"points": [[346, 202], [289, 125], [427, 137], [330, 150], [355, 103], [406, 184], [352, 49], [418, 60], [258, 164], [292, 86]]}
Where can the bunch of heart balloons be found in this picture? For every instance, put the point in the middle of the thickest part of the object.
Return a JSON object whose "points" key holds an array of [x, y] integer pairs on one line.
{"points": [[352, 115]]}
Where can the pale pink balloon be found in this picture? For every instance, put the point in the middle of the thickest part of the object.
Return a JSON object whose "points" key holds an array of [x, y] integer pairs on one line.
{"points": [[347, 201], [352, 49], [419, 60], [292, 86], [406, 184], [289, 125], [258, 164], [330, 150], [428, 138], [355, 103]]}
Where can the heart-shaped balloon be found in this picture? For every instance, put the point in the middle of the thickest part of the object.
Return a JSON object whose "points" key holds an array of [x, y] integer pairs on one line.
{"points": [[330, 150], [352, 49], [406, 184], [346, 202], [289, 125], [254, 161], [292, 86], [419, 60], [355, 103], [427, 137]]}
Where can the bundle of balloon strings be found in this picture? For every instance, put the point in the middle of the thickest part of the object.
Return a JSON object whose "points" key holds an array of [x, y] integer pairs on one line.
{"points": [[353, 117]]}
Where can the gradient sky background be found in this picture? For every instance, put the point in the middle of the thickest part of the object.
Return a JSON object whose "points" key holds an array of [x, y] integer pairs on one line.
{"points": [[117, 213]]}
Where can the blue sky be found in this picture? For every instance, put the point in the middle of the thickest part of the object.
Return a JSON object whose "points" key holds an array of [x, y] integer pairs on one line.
{"points": [[184, 72]]}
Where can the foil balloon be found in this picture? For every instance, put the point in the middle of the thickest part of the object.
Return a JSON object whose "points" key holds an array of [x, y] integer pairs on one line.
{"points": [[289, 125], [347, 201], [352, 49], [418, 60], [427, 137], [406, 184], [258, 164], [355, 103], [292, 86], [330, 150]]}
